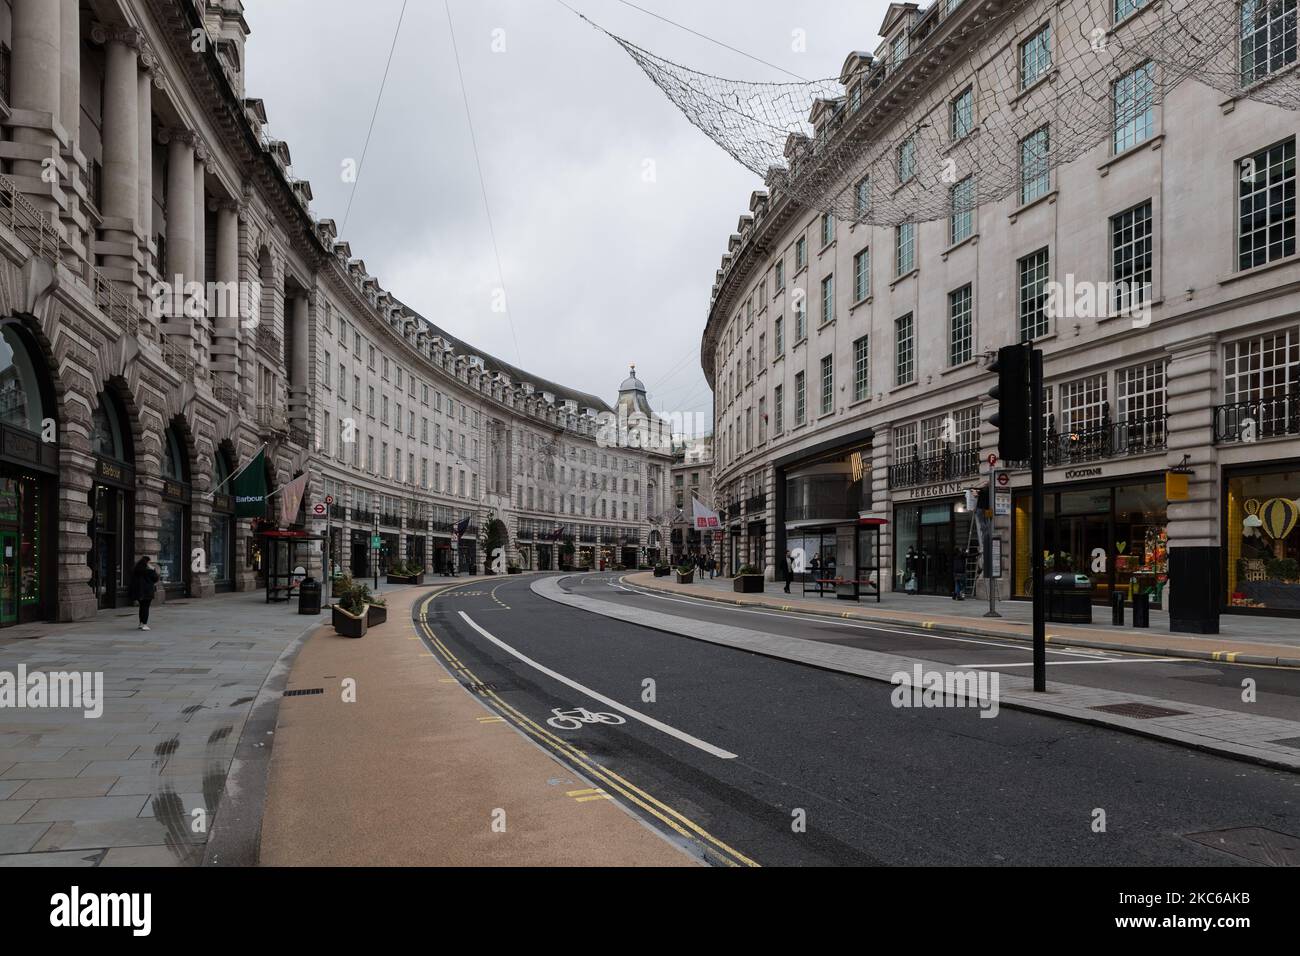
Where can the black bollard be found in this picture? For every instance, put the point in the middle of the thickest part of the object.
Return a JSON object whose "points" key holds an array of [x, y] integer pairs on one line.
{"points": [[1117, 609], [1141, 610]]}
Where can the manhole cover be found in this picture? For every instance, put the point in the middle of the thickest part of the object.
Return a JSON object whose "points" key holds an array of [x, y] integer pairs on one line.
{"points": [[1139, 711], [1257, 844], [304, 692]]}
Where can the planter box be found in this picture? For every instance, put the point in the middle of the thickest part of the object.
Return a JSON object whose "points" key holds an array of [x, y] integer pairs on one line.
{"points": [[514, 570], [687, 578], [748, 584], [376, 614], [406, 578], [663, 572], [350, 625]]}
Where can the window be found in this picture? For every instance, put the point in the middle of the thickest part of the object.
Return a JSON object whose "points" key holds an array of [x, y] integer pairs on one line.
{"points": [[343, 383], [762, 350], [1035, 169], [1133, 96], [904, 248], [828, 299], [904, 358], [1268, 37], [828, 228], [1124, 7], [800, 398], [898, 52], [1140, 393], [1262, 368], [962, 114], [778, 333], [828, 384], [862, 275], [1082, 404], [778, 409], [862, 196], [962, 200], [907, 159], [960, 333], [1266, 206], [800, 253], [1036, 57], [1130, 242], [861, 369], [905, 446], [800, 316], [1033, 296], [778, 272], [370, 401]]}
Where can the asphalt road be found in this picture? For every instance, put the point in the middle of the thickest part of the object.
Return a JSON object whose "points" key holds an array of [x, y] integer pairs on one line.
{"points": [[746, 759]]}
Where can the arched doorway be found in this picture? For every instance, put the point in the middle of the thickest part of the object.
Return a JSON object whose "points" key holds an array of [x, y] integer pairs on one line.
{"points": [[220, 545], [28, 479], [174, 515], [112, 502]]}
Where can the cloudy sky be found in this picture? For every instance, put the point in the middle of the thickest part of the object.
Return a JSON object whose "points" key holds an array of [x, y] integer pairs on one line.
{"points": [[601, 268]]}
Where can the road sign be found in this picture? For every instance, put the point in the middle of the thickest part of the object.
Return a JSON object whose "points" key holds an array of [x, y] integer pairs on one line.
{"points": [[318, 509], [993, 460], [329, 499], [1003, 478], [376, 541]]}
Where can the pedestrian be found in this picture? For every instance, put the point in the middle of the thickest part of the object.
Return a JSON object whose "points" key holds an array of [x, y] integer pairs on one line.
{"points": [[789, 571], [143, 587], [958, 574]]}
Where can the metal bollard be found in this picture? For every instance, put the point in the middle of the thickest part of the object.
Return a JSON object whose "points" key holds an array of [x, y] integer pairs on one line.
{"points": [[1117, 609], [1141, 610]]}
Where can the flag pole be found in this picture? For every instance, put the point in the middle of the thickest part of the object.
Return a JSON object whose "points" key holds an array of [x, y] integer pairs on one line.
{"points": [[242, 469]]}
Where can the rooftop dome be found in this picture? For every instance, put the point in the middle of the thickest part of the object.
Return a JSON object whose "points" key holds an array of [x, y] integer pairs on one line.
{"points": [[632, 397], [632, 383]]}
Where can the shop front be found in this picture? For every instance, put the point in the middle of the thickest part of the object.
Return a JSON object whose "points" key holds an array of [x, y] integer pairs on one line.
{"points": [[820, 498], [174, 519], [931, 527], [112, 503], [28, 482], [415, 550], [1115, 531], [220, 544], [1261, 534], [361, 552]]}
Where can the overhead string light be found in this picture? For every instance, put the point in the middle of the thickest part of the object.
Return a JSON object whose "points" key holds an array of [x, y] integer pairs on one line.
{"points": [[1037, 101]]}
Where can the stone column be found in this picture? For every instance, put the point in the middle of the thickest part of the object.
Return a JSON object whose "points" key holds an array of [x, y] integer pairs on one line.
{"points": [[121, 135], [144, 132], [36, 64], [228, 299], [298, 400], [1196, 588], [198, 272], [179, 267], [70, 69]]}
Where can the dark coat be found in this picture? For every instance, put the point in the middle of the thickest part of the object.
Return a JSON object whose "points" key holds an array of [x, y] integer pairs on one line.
{"points": [[144, 584]]}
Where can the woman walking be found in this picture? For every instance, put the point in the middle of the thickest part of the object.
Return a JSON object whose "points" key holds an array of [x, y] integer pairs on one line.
{"points": [[144, 585]]}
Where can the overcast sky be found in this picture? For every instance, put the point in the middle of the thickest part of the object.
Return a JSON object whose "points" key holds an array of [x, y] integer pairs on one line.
{"points": [[601, 268]]}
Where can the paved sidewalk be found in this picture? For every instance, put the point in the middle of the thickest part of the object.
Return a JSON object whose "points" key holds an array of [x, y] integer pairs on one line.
{"points": [[120, 789], [1244, 639], [1264, 740], [415, 771]]}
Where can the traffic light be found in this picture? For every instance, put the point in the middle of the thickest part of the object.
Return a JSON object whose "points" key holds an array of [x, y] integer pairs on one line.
{"points": [[1012, 394]]}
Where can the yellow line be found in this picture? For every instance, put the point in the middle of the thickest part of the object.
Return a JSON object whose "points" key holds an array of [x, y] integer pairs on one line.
{"points": [[670, 817], [599, 796], [579, 793]]}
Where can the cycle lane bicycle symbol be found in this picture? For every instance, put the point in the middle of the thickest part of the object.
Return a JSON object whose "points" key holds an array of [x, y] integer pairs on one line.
{"points": [[575, 717]]}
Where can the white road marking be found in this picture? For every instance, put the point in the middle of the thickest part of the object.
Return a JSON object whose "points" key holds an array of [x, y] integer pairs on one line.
{"points": [[634, 714], [899, 629], [1105, 660]]}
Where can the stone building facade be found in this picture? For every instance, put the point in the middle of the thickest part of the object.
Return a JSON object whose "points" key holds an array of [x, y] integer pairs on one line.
{"points": [[848, 361]]}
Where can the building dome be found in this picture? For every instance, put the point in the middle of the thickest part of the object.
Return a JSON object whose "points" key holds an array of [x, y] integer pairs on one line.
{"points": [[632, 383], [632, 397]]}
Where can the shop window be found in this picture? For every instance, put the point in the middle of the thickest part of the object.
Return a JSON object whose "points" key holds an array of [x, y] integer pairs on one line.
{"points": [[20, 392], [1263, 541]]}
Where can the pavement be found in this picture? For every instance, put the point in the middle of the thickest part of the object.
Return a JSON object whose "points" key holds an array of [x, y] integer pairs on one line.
{"points": [[1245, 639], [747, 758], [412, 769], [145, 783], [1241, 732]]}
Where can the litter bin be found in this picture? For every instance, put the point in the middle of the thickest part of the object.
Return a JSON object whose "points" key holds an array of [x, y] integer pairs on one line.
{"points": [[1142, 610], [1069, 597], [1117, 608], [309, 596]]}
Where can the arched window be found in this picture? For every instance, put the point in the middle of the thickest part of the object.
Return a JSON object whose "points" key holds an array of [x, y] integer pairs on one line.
{"points": [[21, 403], [174, 460], [108, 437]]}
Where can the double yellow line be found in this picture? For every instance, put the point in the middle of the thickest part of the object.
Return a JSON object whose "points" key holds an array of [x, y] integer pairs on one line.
{"points": [[684, 826]]}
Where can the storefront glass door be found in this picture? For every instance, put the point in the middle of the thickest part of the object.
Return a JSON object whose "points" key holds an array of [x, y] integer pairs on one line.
{"points": [[8, 578]]}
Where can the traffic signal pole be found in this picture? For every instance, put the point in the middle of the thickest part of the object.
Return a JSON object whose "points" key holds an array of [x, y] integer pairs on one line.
{"points": [[1038, 535]]}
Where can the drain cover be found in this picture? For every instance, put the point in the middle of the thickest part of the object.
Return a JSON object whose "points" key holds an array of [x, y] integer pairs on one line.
{"points": [[1257, 844], [304, 692], [483, 687], [1140, 711]]}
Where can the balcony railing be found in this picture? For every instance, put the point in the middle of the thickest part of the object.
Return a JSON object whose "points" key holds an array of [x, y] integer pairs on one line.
{"points": [[1263, 418], [269, 418], [945, 466], [1105, 439]]}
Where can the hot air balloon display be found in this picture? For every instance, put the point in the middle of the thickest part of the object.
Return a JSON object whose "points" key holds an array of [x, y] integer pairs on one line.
{"points": [[1278, 517]]}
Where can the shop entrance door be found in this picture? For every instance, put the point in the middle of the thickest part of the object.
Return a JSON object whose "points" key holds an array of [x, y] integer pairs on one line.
{"points": [[934, 575], [1079, 536], [8, 578]]}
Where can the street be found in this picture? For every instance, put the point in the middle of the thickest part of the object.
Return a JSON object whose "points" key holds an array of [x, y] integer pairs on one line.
{"points": [[875, 784]]}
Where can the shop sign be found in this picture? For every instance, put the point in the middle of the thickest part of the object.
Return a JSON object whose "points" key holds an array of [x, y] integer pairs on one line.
{"points": [[174, 489], [936, 491], [1001, 502], [222, 503], [1076, 473]]}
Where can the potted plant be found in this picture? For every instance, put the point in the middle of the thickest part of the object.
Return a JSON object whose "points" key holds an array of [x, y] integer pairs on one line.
{"points": [[685, 573], [405, 572], [514, 569], [349, 612], [663, 569], [748, 580]]}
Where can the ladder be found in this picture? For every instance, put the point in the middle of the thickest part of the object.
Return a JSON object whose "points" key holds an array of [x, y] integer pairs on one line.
{"points": [[972, 558]]}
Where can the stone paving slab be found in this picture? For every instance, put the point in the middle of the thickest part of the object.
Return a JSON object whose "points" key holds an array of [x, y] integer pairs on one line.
{"points": [[1227, 733], [116, 790]]}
